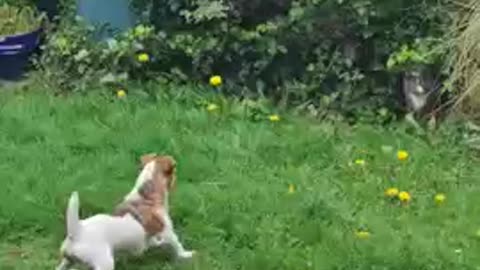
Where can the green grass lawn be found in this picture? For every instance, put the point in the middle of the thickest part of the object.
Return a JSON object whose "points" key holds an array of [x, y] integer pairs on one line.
{"points": [[232, 202]]}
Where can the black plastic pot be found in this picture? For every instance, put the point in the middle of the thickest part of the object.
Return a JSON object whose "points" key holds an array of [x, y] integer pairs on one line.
{"points": [[15, 52]]}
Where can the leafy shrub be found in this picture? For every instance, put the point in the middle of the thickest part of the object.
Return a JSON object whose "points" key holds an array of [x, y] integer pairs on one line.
{"points": [[72, 52], [325, 55], [18, 20]]}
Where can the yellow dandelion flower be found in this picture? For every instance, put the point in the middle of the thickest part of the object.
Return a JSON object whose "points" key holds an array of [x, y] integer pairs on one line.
{"points": [[291, 189], [440, 198], [216, 81], [404, 196], [121, 93], [362, 234], [392, 192], [143, 57], [360, 162], [212, 107], [274, 118], [402, 155]]}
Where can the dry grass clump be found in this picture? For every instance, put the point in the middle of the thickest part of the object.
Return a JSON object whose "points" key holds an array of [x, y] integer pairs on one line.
{"points": [[465, 58]]}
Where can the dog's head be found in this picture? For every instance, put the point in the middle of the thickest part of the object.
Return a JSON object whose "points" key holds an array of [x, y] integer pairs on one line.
{"points": [[163, 168]]}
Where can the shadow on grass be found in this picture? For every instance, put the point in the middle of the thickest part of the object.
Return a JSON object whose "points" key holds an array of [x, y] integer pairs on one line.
{"points": [[156, 258]]}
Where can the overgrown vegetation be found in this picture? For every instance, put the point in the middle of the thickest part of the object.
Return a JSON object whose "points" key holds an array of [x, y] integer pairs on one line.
{"points": [[321, 55]]}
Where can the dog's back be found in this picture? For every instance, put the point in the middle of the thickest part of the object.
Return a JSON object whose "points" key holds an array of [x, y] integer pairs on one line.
{"points": [[119, 231]]}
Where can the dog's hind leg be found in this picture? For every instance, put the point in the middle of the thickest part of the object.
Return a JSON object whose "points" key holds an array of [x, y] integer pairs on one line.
{"points": [[107, 264], [100, 258]]}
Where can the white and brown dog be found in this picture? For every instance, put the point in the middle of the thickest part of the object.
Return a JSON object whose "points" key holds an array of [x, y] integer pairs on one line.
{"points": [[141, 221], [155, 182]]}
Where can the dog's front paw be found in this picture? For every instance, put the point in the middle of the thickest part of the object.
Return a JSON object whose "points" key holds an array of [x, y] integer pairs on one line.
{"points": [[186, 254]]}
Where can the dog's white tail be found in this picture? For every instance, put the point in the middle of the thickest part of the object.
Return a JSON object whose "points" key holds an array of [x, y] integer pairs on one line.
{"points": [[73, 219]]}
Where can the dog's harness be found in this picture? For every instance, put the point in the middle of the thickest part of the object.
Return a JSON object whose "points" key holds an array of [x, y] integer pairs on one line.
{"points": [[136, 207], [128, 208]]}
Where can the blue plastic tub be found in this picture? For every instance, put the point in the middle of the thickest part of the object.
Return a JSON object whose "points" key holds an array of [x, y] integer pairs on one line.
{"points": [[15, 52], [115, 14]]}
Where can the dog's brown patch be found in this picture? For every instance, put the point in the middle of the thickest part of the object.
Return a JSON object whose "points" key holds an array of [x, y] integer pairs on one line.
{"points": [[165, 167], [153, 193]]}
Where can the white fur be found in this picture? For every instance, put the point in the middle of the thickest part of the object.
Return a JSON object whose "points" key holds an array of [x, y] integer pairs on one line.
{"points": [[145, 175], [94, 241]]}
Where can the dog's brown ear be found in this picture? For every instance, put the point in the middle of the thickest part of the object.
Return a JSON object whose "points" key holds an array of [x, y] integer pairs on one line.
{"points": [[172, 182], [145, 159], [167, 165]]}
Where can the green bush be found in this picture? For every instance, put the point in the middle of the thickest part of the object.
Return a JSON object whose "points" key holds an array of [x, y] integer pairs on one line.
{"points": [[72, 59], [326, 55]]}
